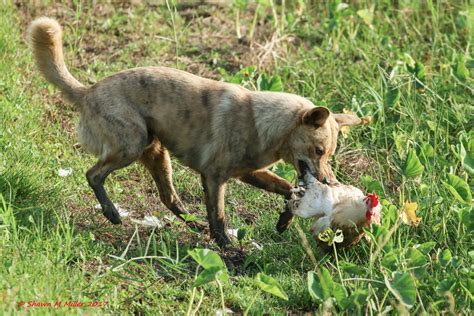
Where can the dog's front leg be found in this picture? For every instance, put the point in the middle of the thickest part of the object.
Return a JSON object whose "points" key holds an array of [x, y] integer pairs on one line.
{"points": [[214, 190], [267, 180]]}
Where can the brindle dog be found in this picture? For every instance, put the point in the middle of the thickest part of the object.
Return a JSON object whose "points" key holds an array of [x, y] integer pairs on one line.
{"points": [[218, 129]]}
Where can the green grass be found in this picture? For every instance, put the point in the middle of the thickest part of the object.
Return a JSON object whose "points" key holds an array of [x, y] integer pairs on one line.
{"points": [[409, 66]]}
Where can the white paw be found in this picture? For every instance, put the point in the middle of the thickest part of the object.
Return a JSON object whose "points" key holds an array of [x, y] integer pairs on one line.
{"points": [[298, 190]]}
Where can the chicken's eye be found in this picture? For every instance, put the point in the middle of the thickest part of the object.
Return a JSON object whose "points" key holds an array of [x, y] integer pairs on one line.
{"points": [[318, 151]]}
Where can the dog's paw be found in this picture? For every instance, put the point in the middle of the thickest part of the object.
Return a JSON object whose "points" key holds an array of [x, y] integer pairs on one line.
{"points": [[112, 215]]}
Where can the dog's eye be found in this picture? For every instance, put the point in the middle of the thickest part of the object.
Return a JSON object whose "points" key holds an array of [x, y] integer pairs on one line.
{"points": [[318, 151]]}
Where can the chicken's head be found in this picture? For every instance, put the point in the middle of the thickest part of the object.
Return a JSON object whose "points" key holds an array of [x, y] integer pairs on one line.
{"points": [[373, 211]]}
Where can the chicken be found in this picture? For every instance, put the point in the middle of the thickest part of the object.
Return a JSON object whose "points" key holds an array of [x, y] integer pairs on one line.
{"points": [[343, 207]]}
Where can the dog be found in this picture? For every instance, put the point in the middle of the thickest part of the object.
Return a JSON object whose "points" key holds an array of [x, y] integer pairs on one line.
{"points": [[220, 130]]}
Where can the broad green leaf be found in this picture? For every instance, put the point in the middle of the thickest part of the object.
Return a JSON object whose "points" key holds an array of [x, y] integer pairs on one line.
{"points": [[358, 299], [372, 185], [206, 258], [445, 257], [392, 95], [402, 287], [418, 70], [270, 285], [416, 261], [190, 217], [339, 292], [265, 83], [426, 152], [413, 166], [467, 218], [458, 188], [367, 15], [390, 262], [446, 285], [415, 258], [426, 247], [275, 84], [352, 268], [320, 285], [209, 275], [459, 69], [391, 215], [467, 157]]}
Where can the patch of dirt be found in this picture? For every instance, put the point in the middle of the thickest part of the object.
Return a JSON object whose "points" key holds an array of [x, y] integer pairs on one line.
{"points": [[234, 259], [249, 217], [207, 36], [355, 163]]}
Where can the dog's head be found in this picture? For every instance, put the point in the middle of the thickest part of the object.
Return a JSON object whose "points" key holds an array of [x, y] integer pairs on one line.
{"points": [[314, 141]]}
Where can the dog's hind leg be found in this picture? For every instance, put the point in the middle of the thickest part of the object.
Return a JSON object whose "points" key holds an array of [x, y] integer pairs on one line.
{"points": [[96, 177], [157, 160]]}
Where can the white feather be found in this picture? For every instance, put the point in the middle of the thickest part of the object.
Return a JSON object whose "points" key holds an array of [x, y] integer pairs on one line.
{"points": [[340, 206]]}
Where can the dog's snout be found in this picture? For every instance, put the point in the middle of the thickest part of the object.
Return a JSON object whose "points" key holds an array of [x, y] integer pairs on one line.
{"points": [[325, 180]]}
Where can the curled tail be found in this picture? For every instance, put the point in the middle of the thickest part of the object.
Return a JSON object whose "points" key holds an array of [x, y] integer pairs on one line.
{"points": [[45, 36]]}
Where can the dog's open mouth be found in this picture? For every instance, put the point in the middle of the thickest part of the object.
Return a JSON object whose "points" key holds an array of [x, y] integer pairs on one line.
{"points": [[305, 175], [304, 171]]}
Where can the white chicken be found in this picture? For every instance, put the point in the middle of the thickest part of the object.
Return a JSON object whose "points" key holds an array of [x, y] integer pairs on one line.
{"points": [[343, 207]]}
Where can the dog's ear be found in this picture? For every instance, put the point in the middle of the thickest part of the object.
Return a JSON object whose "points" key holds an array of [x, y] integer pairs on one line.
{"points": [[316, 116], [347, 119]]}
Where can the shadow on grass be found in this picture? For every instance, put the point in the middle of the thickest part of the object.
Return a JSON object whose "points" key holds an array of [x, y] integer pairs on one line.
{"points": [[27, 197]]}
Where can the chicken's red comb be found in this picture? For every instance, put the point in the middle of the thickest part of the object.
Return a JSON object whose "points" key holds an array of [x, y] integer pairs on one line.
{"points": [[374, 199]]}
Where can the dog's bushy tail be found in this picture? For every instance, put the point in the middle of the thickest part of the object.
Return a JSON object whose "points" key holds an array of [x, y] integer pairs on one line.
{"points": [[45, 37]]}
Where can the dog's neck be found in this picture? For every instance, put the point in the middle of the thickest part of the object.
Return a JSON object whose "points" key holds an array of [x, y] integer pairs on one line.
{"points": [[272, 112]]}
